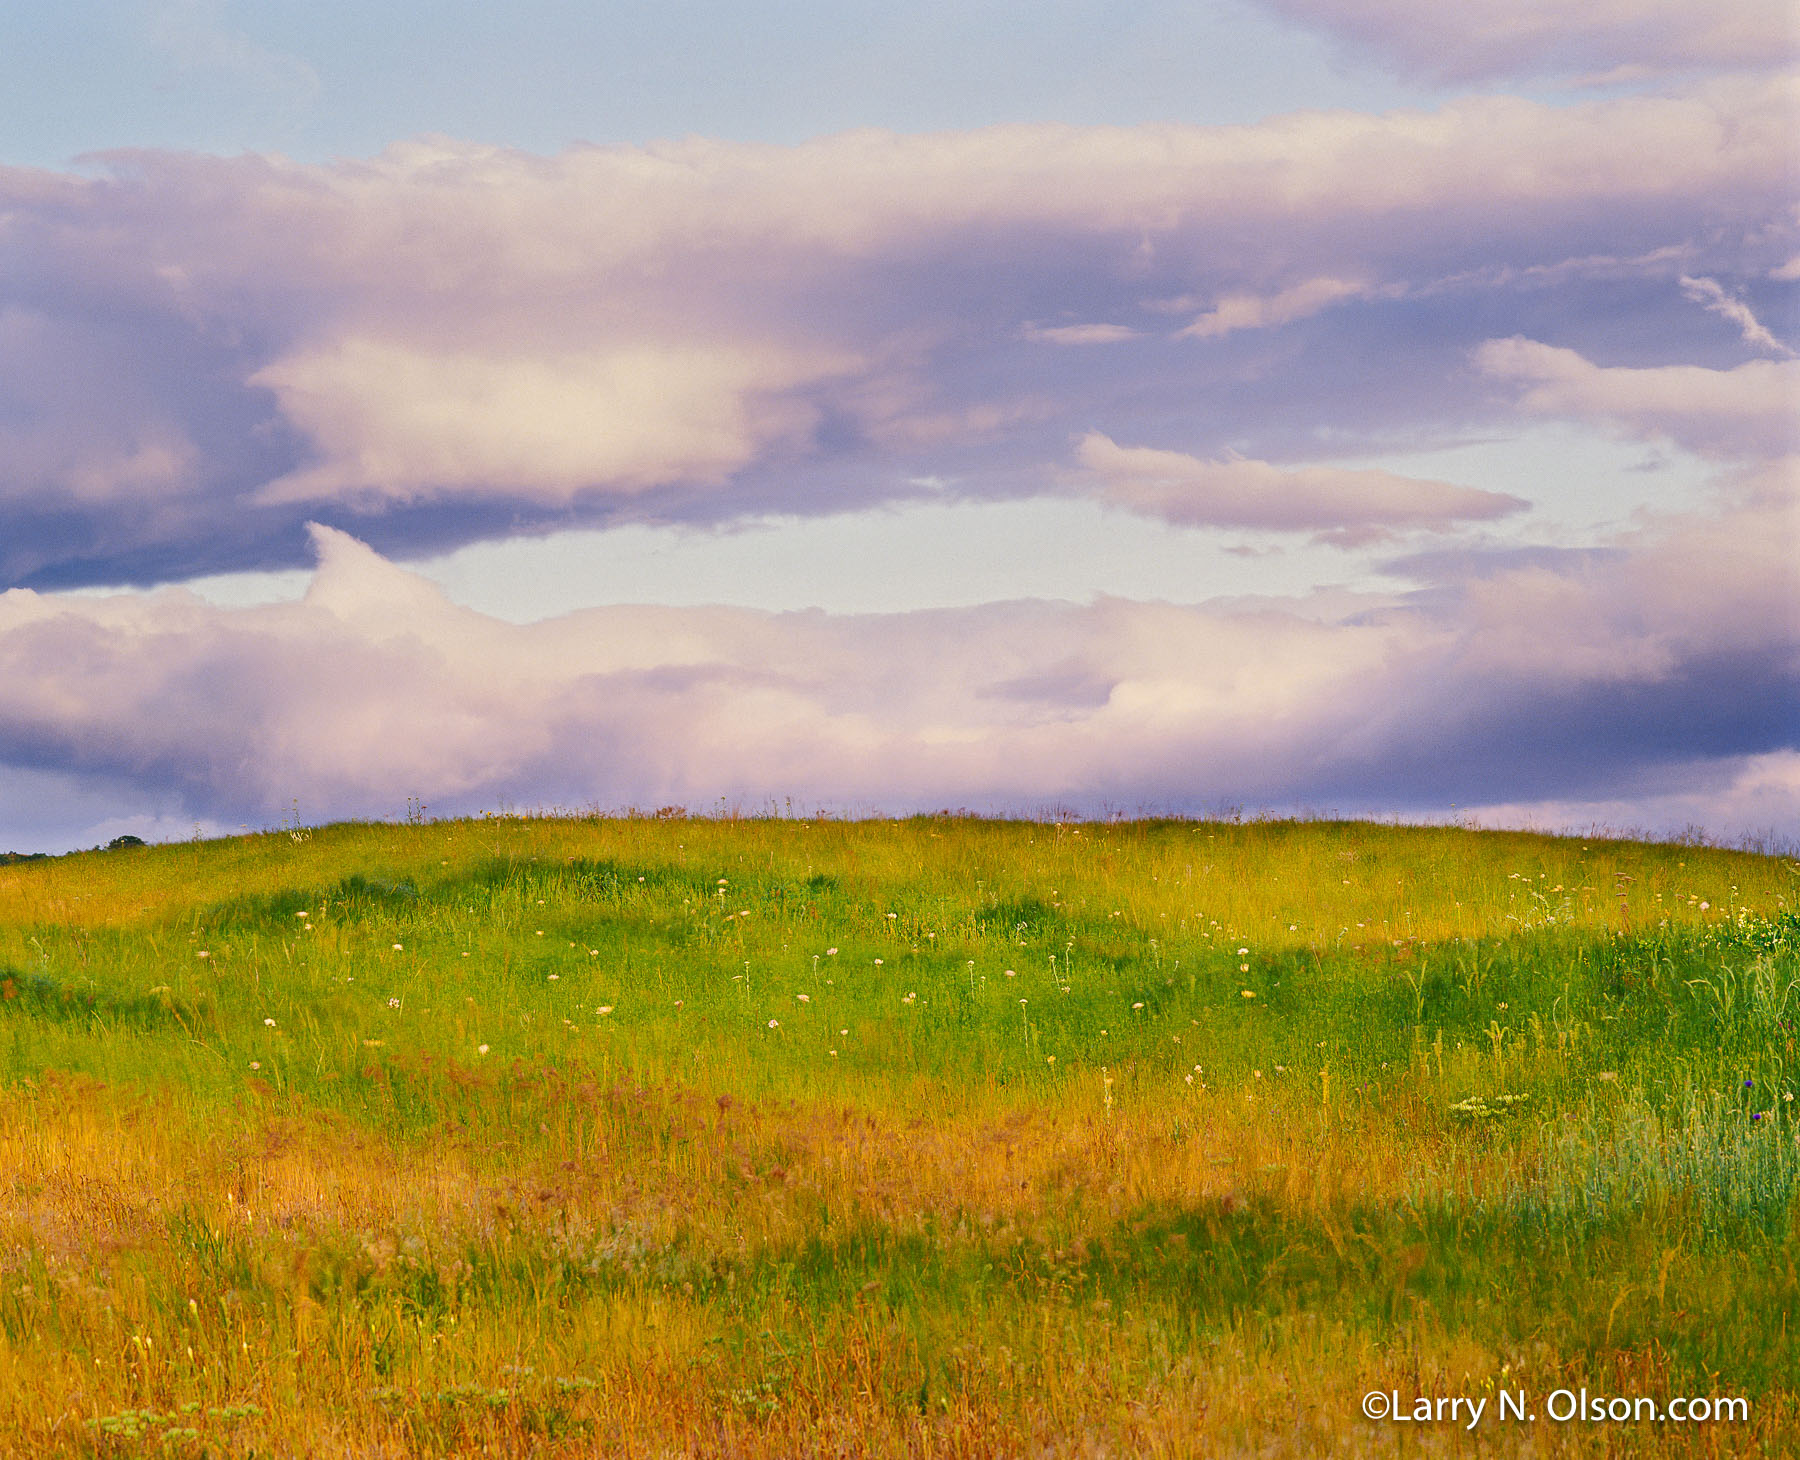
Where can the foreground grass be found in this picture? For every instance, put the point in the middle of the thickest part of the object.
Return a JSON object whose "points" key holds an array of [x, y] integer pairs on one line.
{"points": [[935, 1137]]}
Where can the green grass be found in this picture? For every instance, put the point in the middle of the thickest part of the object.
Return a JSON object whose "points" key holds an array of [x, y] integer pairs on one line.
{"points": [[940, 1136]]}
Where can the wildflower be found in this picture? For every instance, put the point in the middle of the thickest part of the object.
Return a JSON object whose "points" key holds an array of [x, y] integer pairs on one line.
{"points": [[842, 1032], [893, 915], [554, 977], [1242, 952], [832, 1053], [1011, 974], [604, 1009], [678, 1003], [1704, 906], [831, 952], [1248, 993], [1190, 1079], [398, 948], [203, 954], [1138, 1005], [393, 1003], [774, 1024], [1243, 968], [1789, 1096], [302, 913], [1756, 1115], [592, 953], [481, 1049], [1050, 1059], [804, 998], [1748, 1084], [270, 1023], [878, 963], [540, 932]]}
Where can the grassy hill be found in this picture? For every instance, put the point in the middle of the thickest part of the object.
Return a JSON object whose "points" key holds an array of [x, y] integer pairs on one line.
{"points": [[940, 1136]]}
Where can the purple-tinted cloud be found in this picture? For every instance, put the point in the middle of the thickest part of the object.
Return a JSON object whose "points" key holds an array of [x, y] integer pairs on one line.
{"points": [[1749, 412], [1354, 506], [449, 342], [1592, 678]]}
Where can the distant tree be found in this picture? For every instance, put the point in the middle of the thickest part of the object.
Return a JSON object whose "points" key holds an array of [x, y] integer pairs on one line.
{"points": [[119, 843]]}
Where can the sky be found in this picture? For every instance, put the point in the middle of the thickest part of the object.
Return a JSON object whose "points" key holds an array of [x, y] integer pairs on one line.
{"points": [[1325, 407]]}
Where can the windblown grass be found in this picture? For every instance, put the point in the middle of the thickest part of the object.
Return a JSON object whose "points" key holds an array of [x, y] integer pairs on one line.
{"points": [[941, 1137]]}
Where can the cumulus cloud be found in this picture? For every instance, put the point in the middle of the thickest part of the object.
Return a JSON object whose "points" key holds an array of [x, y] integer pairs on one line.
{"points": [[393, 421], [1606, 39], [1347, 506], [1747, 412], [451, 341], [1592, 679]]}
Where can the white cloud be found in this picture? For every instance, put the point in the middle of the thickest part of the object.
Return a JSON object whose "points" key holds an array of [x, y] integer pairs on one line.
{"points": [[1747, 412], [1254, 311], [1350, 505], [401, 422], [1080, 334], [1711, 296]]}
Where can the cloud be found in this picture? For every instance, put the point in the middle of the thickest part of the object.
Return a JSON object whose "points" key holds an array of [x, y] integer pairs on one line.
{"points": [[1080, 334], [1746, 412], [398, 422], [1252, 311], [1756, 798], [1613, 39], [1350, 506], [453, 341], [1671, 662], [1712, 297]]}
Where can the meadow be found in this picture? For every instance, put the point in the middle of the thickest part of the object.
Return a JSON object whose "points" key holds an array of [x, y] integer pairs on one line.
{"points": [[942, 1137]]}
